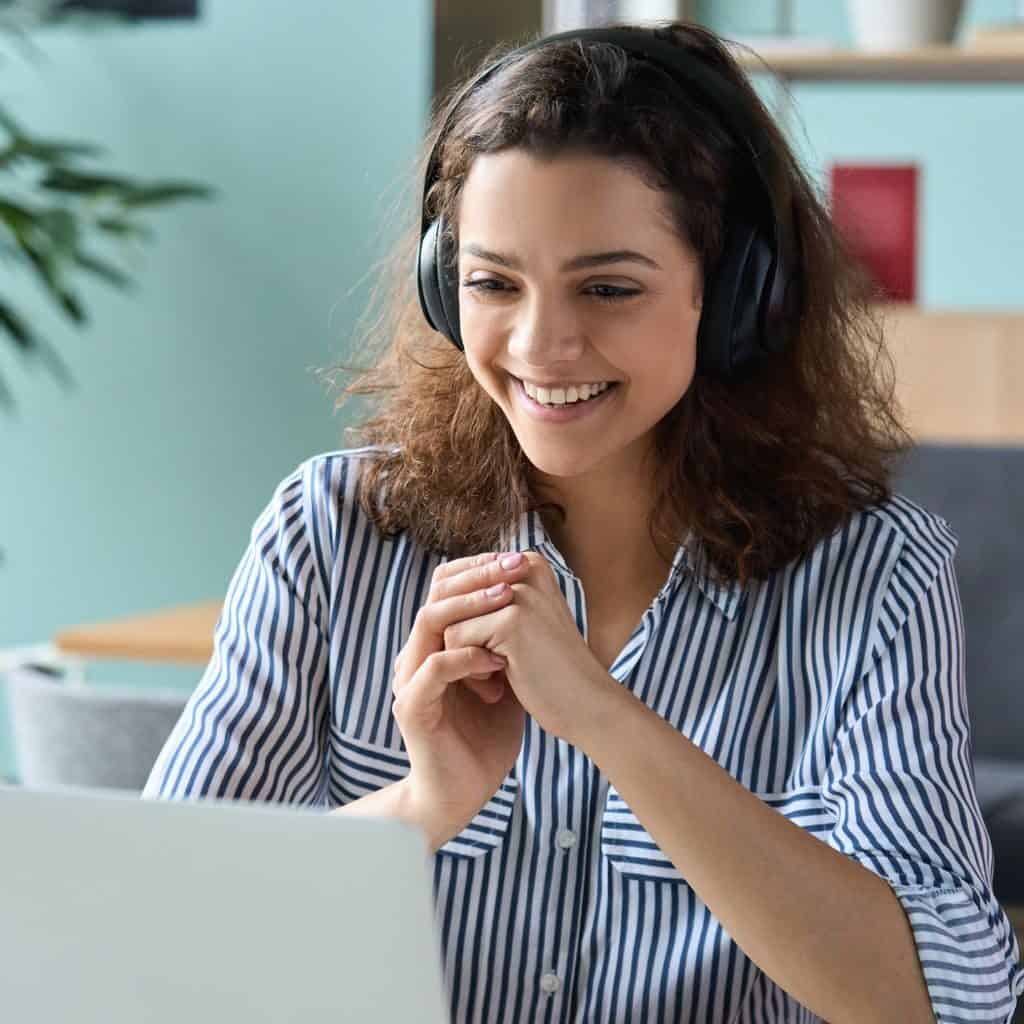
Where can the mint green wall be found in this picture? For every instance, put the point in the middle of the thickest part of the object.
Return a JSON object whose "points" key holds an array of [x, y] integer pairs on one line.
{"points": [[195, 394]]}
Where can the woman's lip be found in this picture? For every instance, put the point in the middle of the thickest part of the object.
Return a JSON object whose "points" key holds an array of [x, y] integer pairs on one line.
{"points": [[562, 413]]}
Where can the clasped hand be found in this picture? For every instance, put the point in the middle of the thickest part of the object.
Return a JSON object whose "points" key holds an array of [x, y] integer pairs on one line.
{"points": [[460, 712]]}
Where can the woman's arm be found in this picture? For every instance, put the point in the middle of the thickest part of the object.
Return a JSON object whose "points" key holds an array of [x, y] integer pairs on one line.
{"points": [[254, 727], [392, 801], [892, 915], [829, 932]]}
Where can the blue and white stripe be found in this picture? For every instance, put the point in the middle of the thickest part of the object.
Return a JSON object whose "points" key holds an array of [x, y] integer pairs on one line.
{"points": [[834, 691]]}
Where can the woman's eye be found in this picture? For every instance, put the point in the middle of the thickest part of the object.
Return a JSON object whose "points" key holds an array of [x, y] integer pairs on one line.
{"points": [[611, 293], [483, 284], [601, 292]]}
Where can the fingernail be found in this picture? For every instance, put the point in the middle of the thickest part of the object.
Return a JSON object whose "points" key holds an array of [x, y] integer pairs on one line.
{"points": [[494, 591], [511, 561]]}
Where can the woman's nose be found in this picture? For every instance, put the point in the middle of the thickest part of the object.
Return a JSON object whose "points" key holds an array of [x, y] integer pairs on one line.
{"points": [[546, 332]]}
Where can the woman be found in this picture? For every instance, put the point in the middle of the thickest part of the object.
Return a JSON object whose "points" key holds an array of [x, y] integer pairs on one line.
{"points": [[703, 753]]}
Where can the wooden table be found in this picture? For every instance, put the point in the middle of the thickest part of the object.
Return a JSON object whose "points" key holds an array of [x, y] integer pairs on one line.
{"points": [[182, 635]]}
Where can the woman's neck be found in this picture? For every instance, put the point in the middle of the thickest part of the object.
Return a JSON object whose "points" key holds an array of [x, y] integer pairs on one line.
{"points": [[605, 535]]}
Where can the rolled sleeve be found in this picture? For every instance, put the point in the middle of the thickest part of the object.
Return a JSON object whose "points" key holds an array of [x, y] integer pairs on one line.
{"points": [[255, 726], [900, 786]]}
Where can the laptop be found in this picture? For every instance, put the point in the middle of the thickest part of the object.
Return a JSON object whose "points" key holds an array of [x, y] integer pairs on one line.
{"points": [[117, 910]]}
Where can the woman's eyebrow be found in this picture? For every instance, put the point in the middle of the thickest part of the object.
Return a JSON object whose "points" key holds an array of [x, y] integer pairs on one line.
{"points": [[582, 262]]}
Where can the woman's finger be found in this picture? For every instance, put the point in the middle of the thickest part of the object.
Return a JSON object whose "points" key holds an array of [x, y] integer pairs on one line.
{"points": [[459, 565], [427, 633], [481, 683], [445, 571], [461, 589], [489, 690], [475, 576], [433, 619], [419, 698]]}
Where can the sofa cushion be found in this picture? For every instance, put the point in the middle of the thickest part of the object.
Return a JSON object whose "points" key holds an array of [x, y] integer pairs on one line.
{"points": [[1000, 788]]}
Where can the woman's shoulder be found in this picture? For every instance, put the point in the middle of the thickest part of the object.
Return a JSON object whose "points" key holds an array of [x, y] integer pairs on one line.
{"points": [[895, 535], [324, 466], [920, 528], [920, 542], [329, 477], [906, 550], [328, 482]]}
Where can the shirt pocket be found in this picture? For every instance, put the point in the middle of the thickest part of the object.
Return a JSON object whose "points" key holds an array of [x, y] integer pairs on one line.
{"points": [[634, 854], [362, 768], [629, 847], [805, 807]]}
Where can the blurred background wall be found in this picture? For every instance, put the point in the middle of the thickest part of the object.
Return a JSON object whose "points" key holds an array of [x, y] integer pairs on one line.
{"points": [[195, 395]]}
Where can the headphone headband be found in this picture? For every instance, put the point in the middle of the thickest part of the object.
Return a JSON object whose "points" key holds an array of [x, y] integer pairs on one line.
{"points": [[683, 68], [746, 300]]}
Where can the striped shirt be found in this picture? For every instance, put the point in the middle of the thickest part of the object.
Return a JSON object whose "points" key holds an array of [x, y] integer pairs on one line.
{"points": [[834, 691]]}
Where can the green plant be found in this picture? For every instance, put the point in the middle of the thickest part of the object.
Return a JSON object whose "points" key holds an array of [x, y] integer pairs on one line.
{"points": [[50, 204]]}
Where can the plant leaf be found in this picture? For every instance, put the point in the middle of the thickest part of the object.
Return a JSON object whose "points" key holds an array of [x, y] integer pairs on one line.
{"points": [[61, 227], [165, 192], [124, 228], [32, 346], [67, 179], [16, 216], [12, 127], [50, 357], [103, 269], [49, 272], [128, 192], [7, 403], [19, 331], [49, 151]]}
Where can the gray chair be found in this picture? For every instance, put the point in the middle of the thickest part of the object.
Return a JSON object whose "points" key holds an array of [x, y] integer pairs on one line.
{"points": [[85, 734], [980, 492]]}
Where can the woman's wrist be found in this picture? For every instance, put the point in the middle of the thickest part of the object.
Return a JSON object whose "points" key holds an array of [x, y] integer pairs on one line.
{"points": [[395, 801]]}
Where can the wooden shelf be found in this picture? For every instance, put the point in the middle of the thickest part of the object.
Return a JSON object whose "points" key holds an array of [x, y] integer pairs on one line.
{"points": [[927, 64], [959, 374]]}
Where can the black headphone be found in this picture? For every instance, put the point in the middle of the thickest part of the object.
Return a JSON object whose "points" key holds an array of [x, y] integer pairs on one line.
{"points": [[746, 305]]}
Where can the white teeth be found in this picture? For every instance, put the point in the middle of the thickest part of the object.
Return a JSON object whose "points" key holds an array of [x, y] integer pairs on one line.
{"points": [[565, 396]]}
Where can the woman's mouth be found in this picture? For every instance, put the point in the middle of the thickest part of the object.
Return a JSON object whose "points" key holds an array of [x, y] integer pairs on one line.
{"points": [[563, 413]]}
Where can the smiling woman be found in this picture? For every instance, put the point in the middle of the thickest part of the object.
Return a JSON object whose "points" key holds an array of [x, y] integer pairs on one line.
{"points": [[699, 749], [558, 308], [589, 206]]}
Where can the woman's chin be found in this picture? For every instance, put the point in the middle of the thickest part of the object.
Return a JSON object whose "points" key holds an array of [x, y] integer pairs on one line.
{"points": [[549, 461]]}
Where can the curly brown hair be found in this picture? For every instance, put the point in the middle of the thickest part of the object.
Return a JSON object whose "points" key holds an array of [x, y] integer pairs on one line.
{"points": [[756, 469]]}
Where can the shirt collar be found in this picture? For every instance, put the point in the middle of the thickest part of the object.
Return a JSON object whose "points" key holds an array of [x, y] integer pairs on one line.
{"points": [[528, 534]]}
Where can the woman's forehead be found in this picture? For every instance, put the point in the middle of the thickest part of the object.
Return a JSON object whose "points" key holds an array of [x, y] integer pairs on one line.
{"points": [[513, 202], [514, 193]]}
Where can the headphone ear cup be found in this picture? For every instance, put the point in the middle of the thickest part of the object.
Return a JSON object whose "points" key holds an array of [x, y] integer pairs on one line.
{"points": [[437, 282], [731, 335]]}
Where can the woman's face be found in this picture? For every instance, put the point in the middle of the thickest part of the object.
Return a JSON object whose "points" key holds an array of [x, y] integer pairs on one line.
{"points": [[570, 272]]}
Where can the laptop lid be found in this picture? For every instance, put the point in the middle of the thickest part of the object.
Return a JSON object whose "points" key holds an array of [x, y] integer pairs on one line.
{"points": [[119, 910]]}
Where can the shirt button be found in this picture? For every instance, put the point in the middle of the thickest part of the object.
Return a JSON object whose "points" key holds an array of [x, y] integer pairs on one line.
{"points": [[566, 839], [549, 983]]}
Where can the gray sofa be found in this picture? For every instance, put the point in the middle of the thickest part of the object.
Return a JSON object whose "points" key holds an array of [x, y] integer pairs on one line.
{"points": [[77, 734], [980, 492]]}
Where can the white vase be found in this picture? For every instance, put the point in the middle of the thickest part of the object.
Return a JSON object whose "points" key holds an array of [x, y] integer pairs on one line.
{"points": [[902, 24], [639, 12]]}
